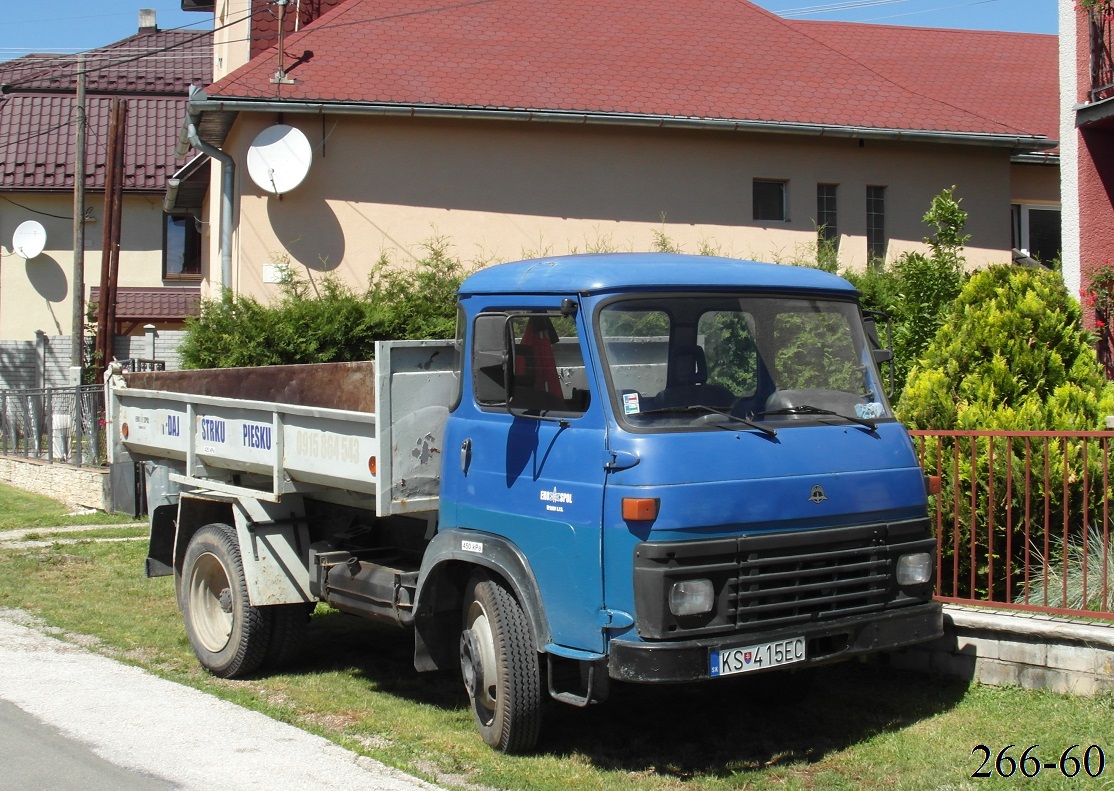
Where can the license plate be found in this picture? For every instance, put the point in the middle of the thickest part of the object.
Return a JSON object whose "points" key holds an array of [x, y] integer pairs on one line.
{"points": [[730, 661]]}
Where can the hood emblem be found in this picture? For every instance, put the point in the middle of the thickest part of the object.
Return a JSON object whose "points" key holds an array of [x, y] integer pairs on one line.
{"points": [[817, 496]]}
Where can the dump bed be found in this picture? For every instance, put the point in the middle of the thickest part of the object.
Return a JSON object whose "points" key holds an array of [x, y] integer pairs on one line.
{"points": [[371, 428]]}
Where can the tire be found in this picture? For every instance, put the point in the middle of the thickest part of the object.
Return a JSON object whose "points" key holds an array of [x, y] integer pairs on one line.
{"points": [[288, 631], [228, 635], [499, 664]]}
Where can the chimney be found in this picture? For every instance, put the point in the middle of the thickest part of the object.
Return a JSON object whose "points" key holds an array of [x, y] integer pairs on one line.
{"points": [[147, 20]]}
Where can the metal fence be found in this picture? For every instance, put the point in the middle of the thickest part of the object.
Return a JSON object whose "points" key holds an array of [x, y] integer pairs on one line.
{"points": [[1100, 30], [54, 424], [1023, 518]]}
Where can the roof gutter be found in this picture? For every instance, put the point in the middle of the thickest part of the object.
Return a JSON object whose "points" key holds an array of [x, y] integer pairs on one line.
{"points": [[189, 137], [1014, 142], [1033, 158]]}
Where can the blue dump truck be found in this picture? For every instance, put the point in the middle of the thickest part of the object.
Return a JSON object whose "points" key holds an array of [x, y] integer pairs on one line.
{"points": [[641, 468]]}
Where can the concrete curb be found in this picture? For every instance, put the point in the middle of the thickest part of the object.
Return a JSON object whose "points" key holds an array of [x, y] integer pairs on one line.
{"points": [[161, 729], [1029, 650]]}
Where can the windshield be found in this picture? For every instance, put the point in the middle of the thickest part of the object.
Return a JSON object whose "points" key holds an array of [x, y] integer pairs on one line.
{"points": [[691, 361]]}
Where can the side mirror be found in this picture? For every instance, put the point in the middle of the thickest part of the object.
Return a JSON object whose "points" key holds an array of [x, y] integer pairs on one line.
{"points": [[883, 355]]}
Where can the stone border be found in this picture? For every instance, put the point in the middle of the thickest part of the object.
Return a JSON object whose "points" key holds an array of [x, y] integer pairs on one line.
{"points": [[1030, 650], [78, 487]]}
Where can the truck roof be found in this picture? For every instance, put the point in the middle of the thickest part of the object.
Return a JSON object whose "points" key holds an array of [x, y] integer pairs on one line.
{"points": [[595, 273]]}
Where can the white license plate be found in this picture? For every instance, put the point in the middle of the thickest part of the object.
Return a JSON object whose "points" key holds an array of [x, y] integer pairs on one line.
{"points": [[730, 661]]}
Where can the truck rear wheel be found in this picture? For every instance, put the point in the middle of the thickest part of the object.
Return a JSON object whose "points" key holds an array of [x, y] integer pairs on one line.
{"points": [[499, 663], [228, 635]]}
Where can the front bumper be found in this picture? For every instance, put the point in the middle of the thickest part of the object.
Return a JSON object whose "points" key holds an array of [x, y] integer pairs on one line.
{"points": [[827, 641]]}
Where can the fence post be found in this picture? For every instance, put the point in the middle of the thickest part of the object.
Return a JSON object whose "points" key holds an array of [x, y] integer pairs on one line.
{"points": [[28, 423], [48, 415], [95, 412], [79, 424]]}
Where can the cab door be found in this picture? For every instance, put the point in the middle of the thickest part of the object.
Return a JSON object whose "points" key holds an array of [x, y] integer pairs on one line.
{"points": [[532, 466]]}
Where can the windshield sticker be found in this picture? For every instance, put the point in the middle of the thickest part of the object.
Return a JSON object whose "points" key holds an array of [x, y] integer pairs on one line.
{"points": [[630, 404], [869, 411]]}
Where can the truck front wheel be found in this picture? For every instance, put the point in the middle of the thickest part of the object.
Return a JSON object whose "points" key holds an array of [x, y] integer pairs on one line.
{"points": [[499, 663], [229, 636]]}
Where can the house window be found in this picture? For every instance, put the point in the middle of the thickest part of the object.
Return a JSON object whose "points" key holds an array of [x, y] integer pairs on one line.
{"points": [[827, 228], [876, 224], [1036, 230], [769, 200], [181, 248]]}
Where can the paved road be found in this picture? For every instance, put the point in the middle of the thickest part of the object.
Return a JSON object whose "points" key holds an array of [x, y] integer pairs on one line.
{"points": [[71, 719]]}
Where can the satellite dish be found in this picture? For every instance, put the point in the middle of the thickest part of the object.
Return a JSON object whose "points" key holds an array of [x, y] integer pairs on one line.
{"points": [[279, 159], [29, 239]]}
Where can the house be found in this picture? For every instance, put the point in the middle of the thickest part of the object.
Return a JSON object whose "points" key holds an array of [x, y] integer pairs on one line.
{"points": [[1087, 135], [159, 272], [711, 125]]}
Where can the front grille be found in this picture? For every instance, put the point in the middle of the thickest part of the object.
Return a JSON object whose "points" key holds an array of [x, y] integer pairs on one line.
{"points": [[777, 580]]}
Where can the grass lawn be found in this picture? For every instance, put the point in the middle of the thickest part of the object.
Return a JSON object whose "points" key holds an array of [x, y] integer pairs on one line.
{"points": [[863, 726], [20, 509]]}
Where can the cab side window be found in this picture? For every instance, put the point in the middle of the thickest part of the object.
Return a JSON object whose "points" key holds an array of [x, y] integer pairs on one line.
{"points": [[548, 373]]}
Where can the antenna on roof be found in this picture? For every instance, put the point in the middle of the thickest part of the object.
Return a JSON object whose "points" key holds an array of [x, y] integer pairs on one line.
{"points": [[280, 75]]}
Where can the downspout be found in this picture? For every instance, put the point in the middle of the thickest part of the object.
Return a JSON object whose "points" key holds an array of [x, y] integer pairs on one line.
{"points": [[228, 183]]}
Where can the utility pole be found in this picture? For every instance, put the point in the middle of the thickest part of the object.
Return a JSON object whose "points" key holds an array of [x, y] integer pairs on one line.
{"points": [[110, 255], [77, 285]]}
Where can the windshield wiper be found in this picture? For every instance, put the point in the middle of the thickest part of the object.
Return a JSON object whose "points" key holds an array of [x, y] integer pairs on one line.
{"points": [[769, 432], [808, 409]]}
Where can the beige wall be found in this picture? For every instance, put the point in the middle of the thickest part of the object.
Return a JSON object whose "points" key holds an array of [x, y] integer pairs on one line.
{"points": [[503, 191], [1035, 184], [35, 294], [231, 36]]}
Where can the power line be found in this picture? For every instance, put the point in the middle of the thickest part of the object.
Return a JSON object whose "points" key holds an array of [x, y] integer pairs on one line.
{"points": [[36, 211], [108, 57], [930, 10], [845, 5], [852, 5]]}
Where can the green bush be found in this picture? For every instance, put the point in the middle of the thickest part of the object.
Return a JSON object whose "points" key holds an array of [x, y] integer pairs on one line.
{"points": [[325, 320], [1011, 355]]}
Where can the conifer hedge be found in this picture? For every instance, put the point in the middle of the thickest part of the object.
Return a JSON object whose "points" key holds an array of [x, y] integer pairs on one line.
{"points": [[324, 320], [1011, 355]]}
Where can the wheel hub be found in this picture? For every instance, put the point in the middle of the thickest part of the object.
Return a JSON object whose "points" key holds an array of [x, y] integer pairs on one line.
{"points": [[225, 600], [471, 663]]}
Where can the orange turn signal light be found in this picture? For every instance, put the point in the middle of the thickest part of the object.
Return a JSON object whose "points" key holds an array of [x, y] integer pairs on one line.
{"points": [[640, 509], [933, 484], [371, 465], [124, 430]]}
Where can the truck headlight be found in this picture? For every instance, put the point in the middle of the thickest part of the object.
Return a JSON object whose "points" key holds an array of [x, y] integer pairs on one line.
{"points": [[691, 597], [914, 569]]}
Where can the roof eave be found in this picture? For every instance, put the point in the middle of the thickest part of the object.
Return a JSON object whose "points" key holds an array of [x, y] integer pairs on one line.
{"points": [[1036, 158], [220, 114]]}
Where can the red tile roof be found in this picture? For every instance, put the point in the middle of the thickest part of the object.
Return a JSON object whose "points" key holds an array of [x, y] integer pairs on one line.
{"points": [[264, 26], [37, 145], [704, 59], [151, 61], [153, 304], [37, 110], [1010, 78]]}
